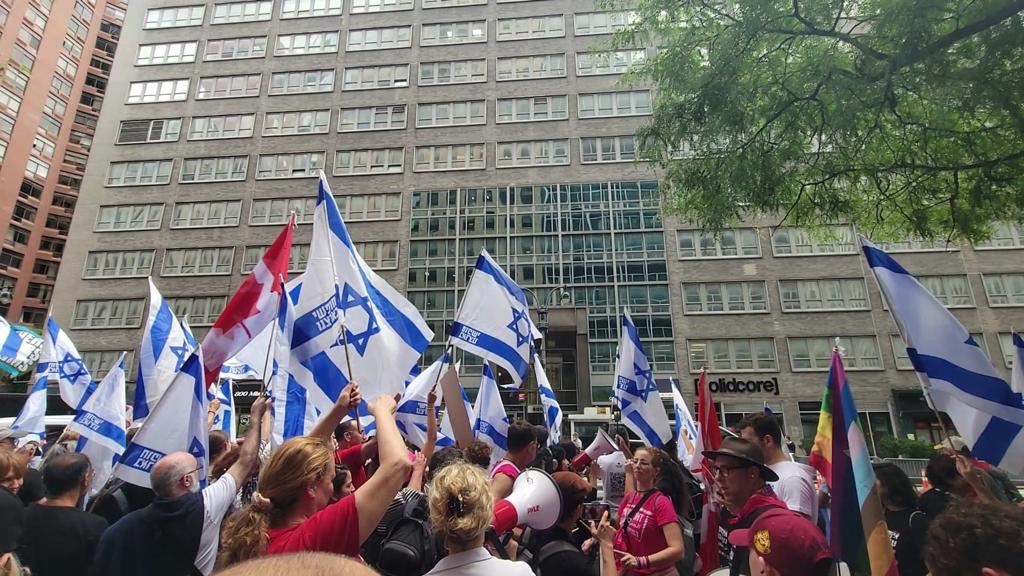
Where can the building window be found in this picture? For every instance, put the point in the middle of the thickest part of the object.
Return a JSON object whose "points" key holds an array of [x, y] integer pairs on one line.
{"points": [[371, 161], [236, 48], [46, 148], [1004, 235], [952, 291], [299, 122], [295, 165], [10, 100], [451, 113], [453, 72], [370, 77], [453, 33], [129, 217], [789, 241], [379, 38], [447, 3], [733, 355], [530, 67], [218, 127], [17, 236], [379, 255], [174, 17], [307, 43], [297, 258], [815, 354], [363, 6], [120, 313], [606, 104], [200, 310], [590, 23], [309, 8], [119, 264], [42, 292], [917, 245], [372, 118], [46, 268], [158, 91], [100, 362], [531, 27], [533, 109], [1007, 348], [451, 157], [302, 82], [229, 87], [146, 131], [24, 213], [197, 261], [608, 62], [11, 259], [724, 297], [533, 153], [55, 105], [170, 53], [217, 169], [17, 79], [69, 68], [61, 86], [368, 207], [206, 214], [242, 12], [269, 211], [608, 149], [824, 294], [1004, 289], [139, 173], [35, 168]]}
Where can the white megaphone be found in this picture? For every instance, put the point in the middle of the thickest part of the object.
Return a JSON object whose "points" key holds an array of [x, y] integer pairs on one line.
{"points": [[601, 445], [535, 501]]}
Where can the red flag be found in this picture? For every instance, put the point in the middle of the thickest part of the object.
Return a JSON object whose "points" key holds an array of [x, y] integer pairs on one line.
{"points": [[709, 438], [252, 308]]}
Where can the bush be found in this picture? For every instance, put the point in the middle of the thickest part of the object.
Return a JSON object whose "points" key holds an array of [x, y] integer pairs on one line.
{"points": [[893, 447]]}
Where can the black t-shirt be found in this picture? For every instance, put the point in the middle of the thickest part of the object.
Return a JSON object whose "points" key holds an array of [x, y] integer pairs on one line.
{"points": [[32, 489], [905, 534], [58, 540], [563, 562]]}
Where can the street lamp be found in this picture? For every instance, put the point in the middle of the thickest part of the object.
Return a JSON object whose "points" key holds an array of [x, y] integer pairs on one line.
{"points": [[564, 298]]}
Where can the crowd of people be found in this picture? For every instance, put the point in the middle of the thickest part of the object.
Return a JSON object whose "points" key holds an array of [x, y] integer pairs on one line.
{"points": [[335, 502]]}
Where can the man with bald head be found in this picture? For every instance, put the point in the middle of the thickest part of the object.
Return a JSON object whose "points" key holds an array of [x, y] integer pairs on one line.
{"points": [[178, 534]]}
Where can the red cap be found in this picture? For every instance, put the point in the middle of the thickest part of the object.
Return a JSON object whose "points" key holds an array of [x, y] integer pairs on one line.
{"points": [[788, 542]]}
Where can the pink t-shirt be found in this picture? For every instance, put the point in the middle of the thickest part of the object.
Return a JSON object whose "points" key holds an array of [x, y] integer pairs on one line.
{"points": [[505, 467], [645, 536]]}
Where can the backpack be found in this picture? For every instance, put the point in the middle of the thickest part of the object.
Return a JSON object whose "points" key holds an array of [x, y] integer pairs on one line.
{"points": [[686, 565], [547, 551], [408, 547]]}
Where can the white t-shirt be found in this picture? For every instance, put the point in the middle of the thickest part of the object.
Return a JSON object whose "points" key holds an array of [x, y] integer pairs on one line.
{"points": [[795, 487], [217, 498], [613, 478]]}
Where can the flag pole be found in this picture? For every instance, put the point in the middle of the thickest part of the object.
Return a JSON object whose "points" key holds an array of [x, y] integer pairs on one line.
{"points": [[270, 344], [448, 345]]}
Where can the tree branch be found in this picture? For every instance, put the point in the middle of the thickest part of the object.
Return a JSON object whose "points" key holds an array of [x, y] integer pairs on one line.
{"points": [[997, 17]]}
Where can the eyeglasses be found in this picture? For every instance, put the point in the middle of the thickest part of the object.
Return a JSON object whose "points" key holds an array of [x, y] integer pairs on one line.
{"points": [[189, 473], [725, 471]]}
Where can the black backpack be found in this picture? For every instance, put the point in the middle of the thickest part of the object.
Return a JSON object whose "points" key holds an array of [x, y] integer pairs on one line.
{"points": [[408, 547]]}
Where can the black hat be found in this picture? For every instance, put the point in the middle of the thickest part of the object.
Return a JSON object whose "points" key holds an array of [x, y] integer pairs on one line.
{"points": [[13, 513], [745, 450]]}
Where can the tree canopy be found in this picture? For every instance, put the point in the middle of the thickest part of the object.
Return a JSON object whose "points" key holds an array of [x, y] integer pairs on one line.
{"points": [[903, 117]]}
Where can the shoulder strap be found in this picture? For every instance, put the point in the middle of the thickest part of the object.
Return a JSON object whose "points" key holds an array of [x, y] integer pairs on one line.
{"points": [[632, 513], [122, 501], [552, 548]]}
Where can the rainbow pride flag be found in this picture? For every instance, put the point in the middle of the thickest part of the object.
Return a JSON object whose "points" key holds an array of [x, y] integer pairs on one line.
{"points": [[860, 536]]}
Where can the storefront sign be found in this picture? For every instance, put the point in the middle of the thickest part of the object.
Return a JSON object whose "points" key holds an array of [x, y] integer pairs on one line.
{"points": [[739, 386]]}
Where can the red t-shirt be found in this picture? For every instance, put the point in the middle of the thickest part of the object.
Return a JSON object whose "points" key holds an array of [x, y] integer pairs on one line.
{"points": [[353, 458], [645, 536], [334, 529]]}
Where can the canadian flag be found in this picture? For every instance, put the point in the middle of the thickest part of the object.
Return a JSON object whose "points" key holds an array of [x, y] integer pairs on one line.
{"points": [[709, 437], [251, 309]]}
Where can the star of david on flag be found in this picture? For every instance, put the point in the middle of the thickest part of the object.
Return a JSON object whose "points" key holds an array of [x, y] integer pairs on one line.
{"points": [[63, 364], [642, 411], [164, 348], [359, 306], [494, 320], [100, 423]]}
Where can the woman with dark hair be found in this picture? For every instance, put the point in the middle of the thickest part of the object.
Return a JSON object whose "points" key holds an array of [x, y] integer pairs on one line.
{"points": [[902, 517]]}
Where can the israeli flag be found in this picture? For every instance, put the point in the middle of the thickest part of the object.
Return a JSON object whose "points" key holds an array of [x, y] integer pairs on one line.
{"points": [[177, 423], [552, 410], [100, 421], [251, 360], [493, 320], [293, 410], [385, 333], [19, 347], [1017, 364], [954, 371], [686, 428], [165, 346], [490, 422], [32, 417], [224, 418], [65, 364], [635, 392], [411, 415]]}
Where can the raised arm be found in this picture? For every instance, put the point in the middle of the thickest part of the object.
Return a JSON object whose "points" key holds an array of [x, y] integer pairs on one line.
{"points": [[374, 497], [347, 400], [431, 441], [242, 468], [628, 453]]}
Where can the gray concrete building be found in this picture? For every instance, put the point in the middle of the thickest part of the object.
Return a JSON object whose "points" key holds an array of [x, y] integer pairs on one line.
{"points": [[447, 126]]}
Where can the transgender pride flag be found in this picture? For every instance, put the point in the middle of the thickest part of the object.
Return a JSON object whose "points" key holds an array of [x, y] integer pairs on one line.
{"points": [[860, 536]]}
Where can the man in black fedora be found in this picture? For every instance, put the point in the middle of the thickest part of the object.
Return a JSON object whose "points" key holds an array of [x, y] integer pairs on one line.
{"points": [[741, 479]]}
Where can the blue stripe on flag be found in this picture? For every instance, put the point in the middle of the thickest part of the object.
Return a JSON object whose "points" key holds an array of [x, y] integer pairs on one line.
{"points": [[650, 436], [11, 345], [484, 265], [493, 345], [879, 259], [161, 331], [295, 409], [101, 426], [995, 440], [985, 387], [326, 374]]}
